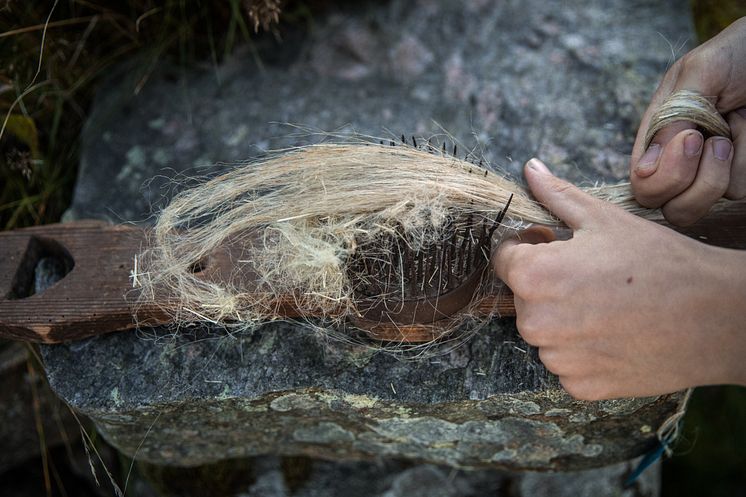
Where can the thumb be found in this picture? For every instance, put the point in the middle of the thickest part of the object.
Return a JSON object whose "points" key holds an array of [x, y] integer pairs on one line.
{"points": [[508, 251], [563, 199]]}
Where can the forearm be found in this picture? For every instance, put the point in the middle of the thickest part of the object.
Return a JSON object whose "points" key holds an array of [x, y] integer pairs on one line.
{"points": [[729, 314]]}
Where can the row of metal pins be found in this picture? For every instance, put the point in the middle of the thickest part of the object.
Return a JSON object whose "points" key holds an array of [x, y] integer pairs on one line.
{"points": [[433, 149], [430, 147], [446, 260]]}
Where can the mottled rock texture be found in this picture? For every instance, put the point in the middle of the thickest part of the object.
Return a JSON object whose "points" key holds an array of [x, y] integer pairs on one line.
{"points": [[511, 80], [193, 399]]}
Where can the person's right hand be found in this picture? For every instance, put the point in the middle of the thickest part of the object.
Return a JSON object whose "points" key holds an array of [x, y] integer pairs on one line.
{"points": [[680, 171], [626, 307]]}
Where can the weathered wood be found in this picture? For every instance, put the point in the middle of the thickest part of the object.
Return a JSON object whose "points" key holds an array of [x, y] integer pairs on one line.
{"points": [[90, 299], [97, 296]]}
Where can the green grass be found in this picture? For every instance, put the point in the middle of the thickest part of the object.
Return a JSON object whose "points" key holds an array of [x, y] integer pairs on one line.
{"points": [[51, 56]]}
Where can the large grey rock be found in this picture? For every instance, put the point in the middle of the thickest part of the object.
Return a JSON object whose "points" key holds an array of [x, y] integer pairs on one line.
{"points": [[564, 81], [513, 79], [191, 399]]}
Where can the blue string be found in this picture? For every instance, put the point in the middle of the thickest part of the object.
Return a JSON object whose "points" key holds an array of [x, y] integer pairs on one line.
{"points": [[651, 457]]}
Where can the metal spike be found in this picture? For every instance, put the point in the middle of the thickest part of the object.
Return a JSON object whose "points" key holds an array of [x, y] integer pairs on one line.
{"points": [[441, 268], [454, 150], [420, 275], [389, 265], [500, 216], [398, 268], [414, 142], [463, 253], [428, 270], [444, 147], [449, 261], [403, 140], [410, 270], [434, 265], [468, 258], [431, 262], [484, 249], [483, 238]]}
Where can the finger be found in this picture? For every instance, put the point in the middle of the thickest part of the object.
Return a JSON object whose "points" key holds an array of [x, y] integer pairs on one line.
{"points": [[506, 257], [648, 163], [710, 184], [551, 358], [710, 70], [564, 360], [509, 255], [589, 387], [535, 235], [564, 199], [674, 171], [515, 259], [664, 90], [737, 186], [714, 69]]}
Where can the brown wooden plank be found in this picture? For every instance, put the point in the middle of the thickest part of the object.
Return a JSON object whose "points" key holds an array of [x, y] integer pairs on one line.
{"points": [[89, 300]]}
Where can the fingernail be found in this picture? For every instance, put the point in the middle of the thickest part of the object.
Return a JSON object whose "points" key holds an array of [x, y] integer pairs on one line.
{"points": [[693, 144], [742, 112], [721, 147], [648, 161], [538, 166]]}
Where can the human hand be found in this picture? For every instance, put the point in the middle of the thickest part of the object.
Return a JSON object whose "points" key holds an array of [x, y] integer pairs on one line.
{"points": [[626, 307], [680, 171]]}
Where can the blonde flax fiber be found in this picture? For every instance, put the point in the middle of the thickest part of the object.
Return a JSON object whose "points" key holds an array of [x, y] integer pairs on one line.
{"points": [[304, 212]]}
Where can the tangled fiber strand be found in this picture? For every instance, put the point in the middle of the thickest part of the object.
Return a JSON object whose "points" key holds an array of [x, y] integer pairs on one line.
{"points": [[688, 106], [301, 215]]}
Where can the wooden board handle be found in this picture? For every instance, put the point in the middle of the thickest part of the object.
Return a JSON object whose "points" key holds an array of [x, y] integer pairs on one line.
{"points": [[90, 299]]}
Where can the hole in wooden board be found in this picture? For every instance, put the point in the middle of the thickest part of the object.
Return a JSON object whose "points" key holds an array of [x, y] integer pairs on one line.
{"points": [[44, 263]]}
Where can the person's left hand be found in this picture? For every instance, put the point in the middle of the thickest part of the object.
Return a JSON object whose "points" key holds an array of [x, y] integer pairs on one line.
{"points": [[626, 307]]}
